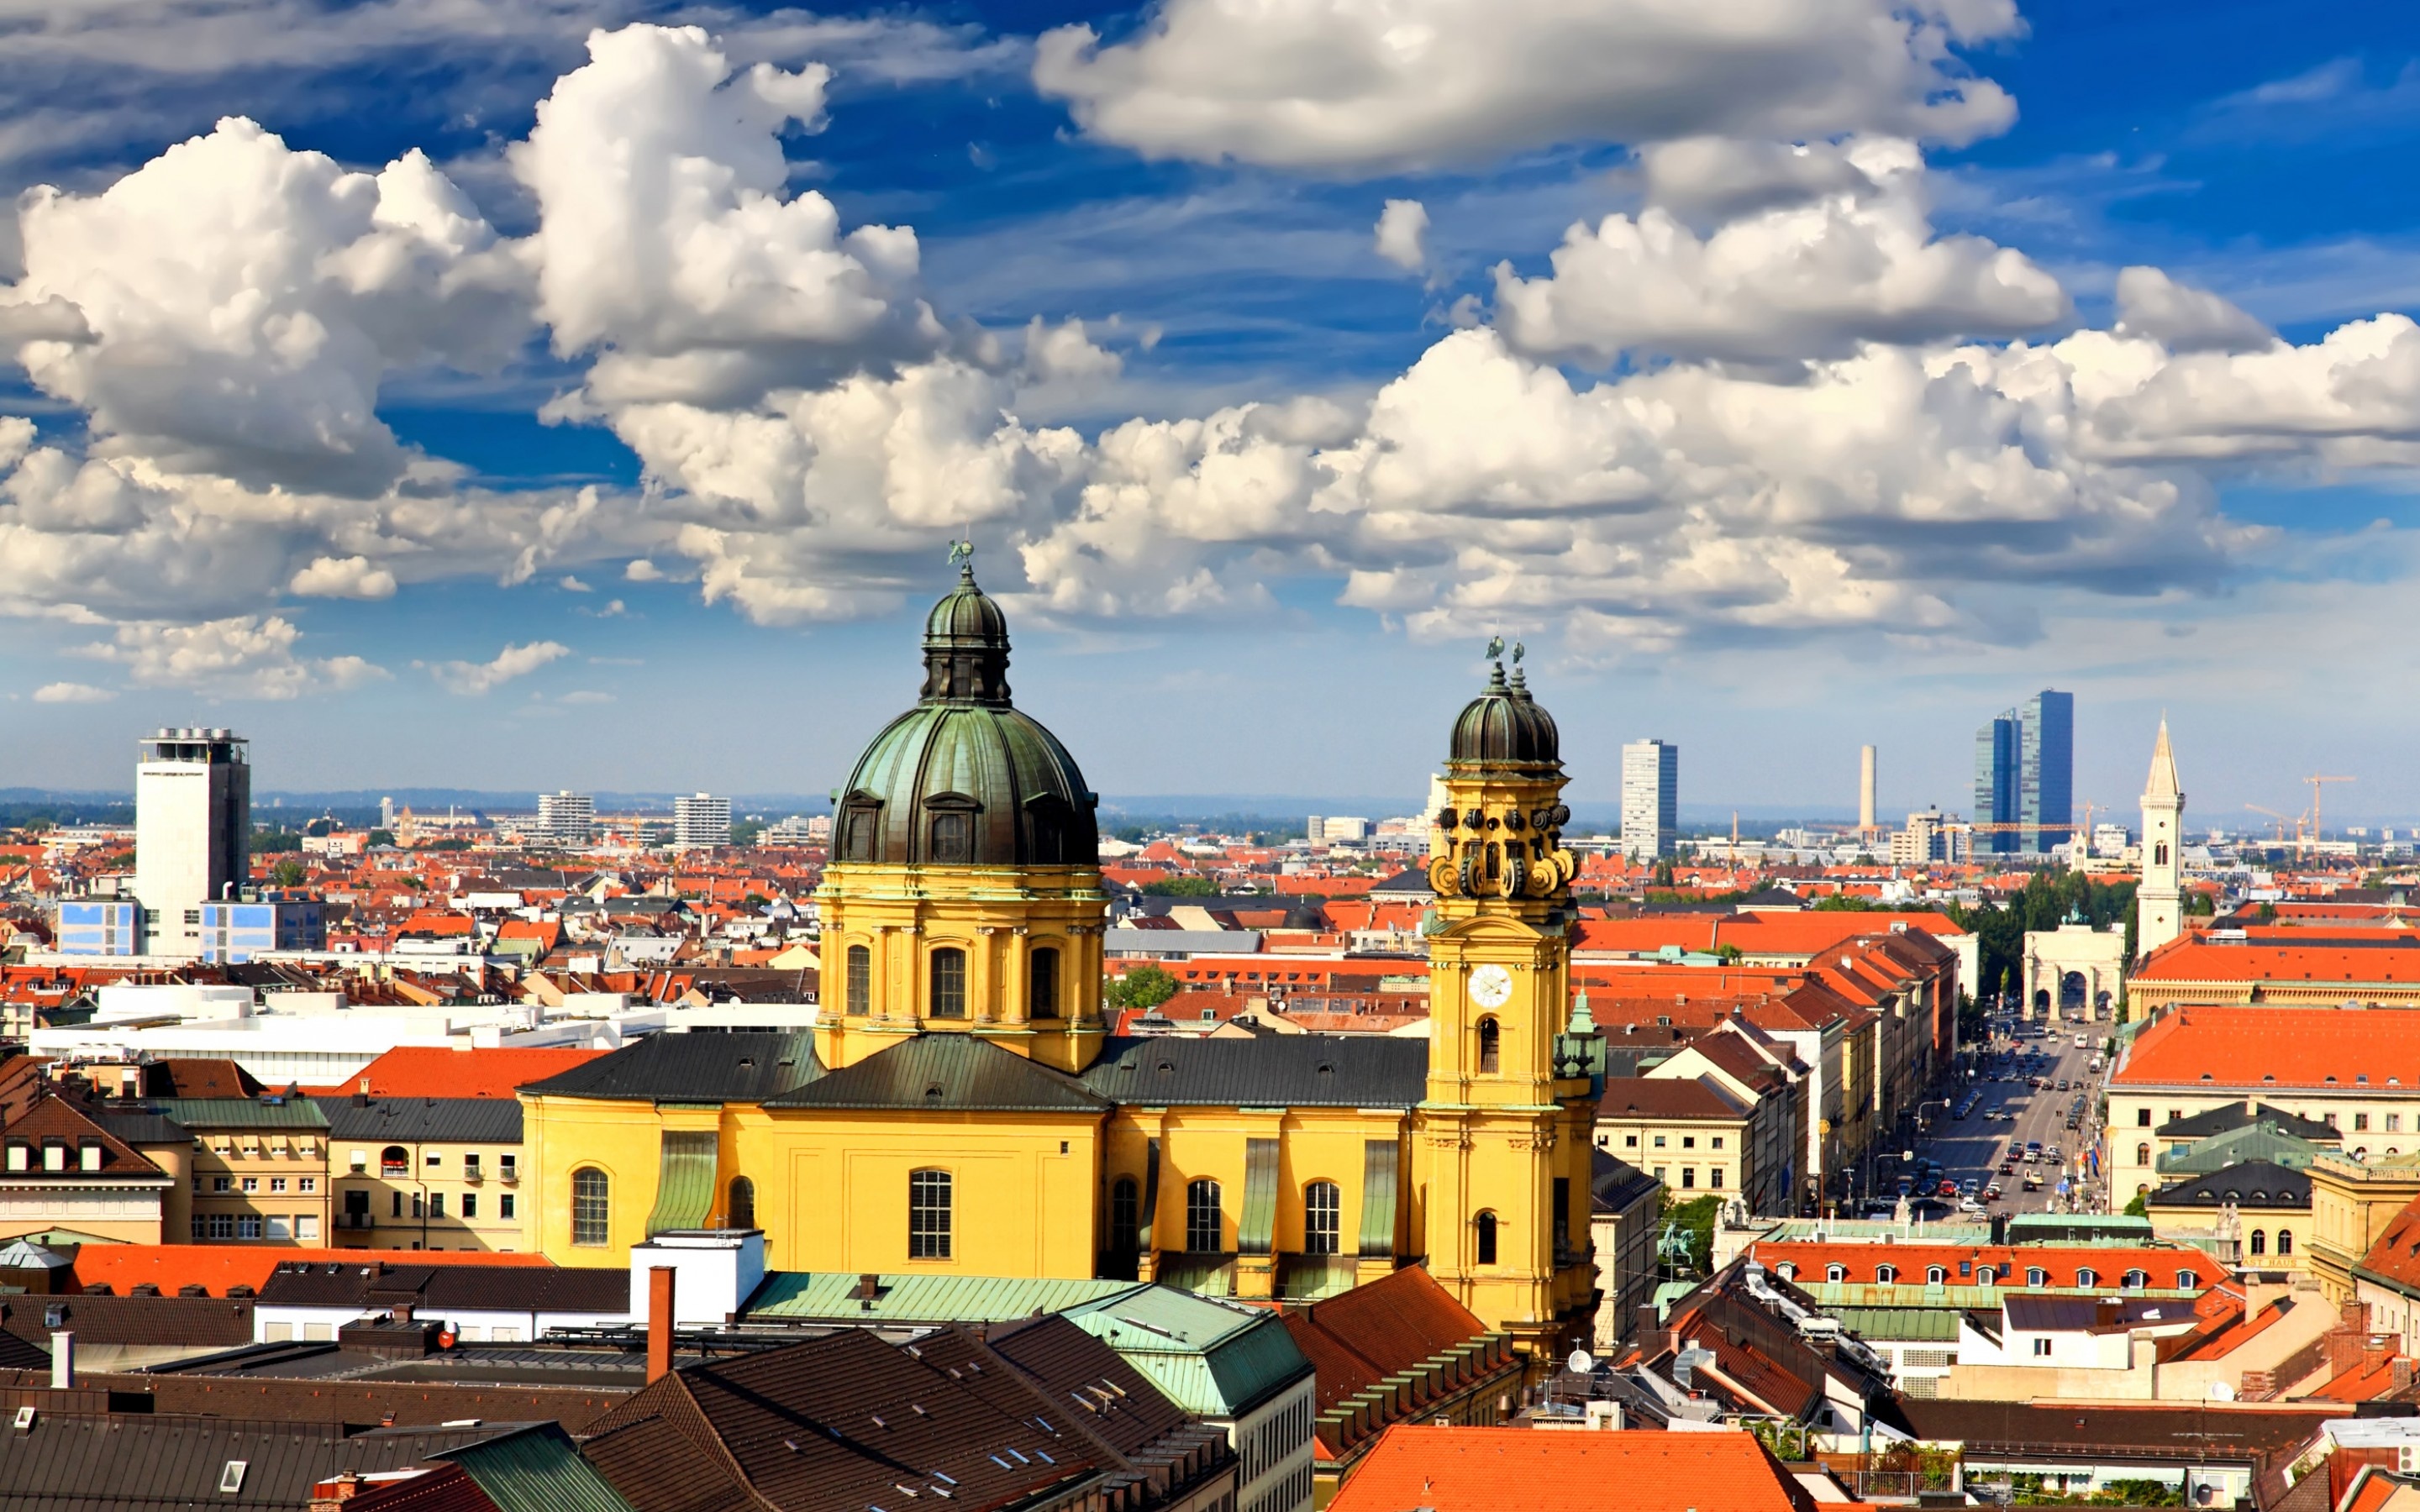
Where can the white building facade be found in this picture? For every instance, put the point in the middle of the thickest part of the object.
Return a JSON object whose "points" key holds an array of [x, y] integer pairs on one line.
{"points": [[1650, 799], [193, 832]]}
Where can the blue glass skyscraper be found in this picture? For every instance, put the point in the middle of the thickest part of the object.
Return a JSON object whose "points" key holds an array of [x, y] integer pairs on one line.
{"points": [[2025, 776]]}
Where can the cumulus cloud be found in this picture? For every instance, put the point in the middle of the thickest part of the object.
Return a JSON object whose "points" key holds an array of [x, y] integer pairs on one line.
{"points": [[667, 241], [1792, 282], [2152, 305], [246, 656], [72, 693], [241, 302], [1363, 89], [343, 578], [475, 678], [1402, 234]]}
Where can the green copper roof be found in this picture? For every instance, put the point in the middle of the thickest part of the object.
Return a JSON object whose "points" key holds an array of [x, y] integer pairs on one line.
{"points": [[1216, 1360], [925, 1298], [963, 778], [685, 1181], [536, 1470]]}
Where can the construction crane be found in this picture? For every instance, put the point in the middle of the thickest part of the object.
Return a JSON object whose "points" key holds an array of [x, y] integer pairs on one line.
{"points": [[2281, 823], [2317, 782]]}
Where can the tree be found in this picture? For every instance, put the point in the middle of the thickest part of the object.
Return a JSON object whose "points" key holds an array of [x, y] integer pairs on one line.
{"points": [[1180, 887], [286, 874], [265, 842], [1696, 1220], [447, 844], [1143, 987], [381, 837], [2140, 1207]]}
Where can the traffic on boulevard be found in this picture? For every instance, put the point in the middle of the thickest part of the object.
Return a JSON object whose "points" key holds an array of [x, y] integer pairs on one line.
{"points": [[2020, 1136]]}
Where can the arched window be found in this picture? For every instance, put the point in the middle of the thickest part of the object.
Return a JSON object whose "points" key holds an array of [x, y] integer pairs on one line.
{"points": [[1205, 1231], [2159, 854], [2086, 1276], [742, 1207], [1836, 1272], [2134, 1280], [2284, 1242], [395, 1161], [1125, 1217], [2259, 1242], [949, 982], [2036, 1277], [928, 1215], [1323, 1217], [2142, 1154], [1042, 983], [1485, 1223], [591, 1207], [1934, 1275], [2188, 1280], [1987, 1276], [860, 980], [1885, 1274], [1490, 1038]]}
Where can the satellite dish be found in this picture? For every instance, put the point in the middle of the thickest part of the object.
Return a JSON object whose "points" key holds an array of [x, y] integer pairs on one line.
{"points": [[1579, 1364]]}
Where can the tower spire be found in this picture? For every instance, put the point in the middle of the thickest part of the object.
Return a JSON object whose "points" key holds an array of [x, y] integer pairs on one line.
{"points": [[2163, 784]]}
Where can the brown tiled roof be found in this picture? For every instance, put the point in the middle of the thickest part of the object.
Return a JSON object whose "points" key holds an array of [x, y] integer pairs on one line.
{"points": [[214, 1322], [832, 1425], [55, 1117], [1665, 1097]]}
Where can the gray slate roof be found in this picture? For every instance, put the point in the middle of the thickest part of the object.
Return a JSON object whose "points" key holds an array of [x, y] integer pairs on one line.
{"points": [[2255, 1183], [2236, 1116], [436, 1289], [693, 1068], [1282, 1070], [946, 1073], [469, 1120]]}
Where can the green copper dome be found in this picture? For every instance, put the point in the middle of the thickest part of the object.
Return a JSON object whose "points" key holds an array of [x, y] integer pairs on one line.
{"points": [[964, 779], [1504, 727]]}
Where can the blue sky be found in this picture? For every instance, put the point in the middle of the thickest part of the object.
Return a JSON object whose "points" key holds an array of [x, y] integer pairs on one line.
{"points": [[2250, 579]]}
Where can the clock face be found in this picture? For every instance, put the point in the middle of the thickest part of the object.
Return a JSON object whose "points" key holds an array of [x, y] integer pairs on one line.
{"points": [[1490, 986]]}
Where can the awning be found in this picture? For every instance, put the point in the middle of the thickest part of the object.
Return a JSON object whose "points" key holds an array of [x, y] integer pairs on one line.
{"points": [[685, 1184], [1257, 1232], [1379, 1199]]}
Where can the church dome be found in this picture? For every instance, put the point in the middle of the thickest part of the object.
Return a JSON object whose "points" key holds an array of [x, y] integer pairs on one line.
{"points": [[1505, 727], [964, 779]]}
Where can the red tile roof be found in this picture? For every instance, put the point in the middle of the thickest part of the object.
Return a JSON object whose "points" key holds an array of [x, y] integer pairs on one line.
{"points": [[441, 1071], [1523, 1470], [2271, 959], [121, 1267], [2011, 1263], [2267, 1045]]}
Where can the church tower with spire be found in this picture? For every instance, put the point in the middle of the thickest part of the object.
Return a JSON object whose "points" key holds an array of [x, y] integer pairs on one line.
{"points": [[1502, 1147], [2158, 903]]}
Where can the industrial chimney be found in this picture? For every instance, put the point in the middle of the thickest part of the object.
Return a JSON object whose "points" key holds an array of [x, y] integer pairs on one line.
{"points": [[1865, 790]]}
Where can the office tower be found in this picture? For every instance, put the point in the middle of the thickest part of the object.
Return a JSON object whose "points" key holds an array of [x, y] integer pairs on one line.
{"points": [[1996, 786], [2025, 776], [1351, 829], [386, 815], [1314, 829], [1651, 798], [2159, 902], [702, 822], [1865, 782], [2046, 778], [566, 818], [193, 832]]}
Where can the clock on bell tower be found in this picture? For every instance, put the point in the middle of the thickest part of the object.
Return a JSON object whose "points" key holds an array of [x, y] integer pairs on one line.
{"points": [[1503, 1129]]}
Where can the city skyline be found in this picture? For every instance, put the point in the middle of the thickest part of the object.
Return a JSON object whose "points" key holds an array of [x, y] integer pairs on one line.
{"points": [[485, 527]]}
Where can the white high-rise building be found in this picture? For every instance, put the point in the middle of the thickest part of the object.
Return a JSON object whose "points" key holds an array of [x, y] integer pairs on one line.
{"points": [[2159, 902], [702, 822], [566, 818], [1650, 799], [193, 832]]}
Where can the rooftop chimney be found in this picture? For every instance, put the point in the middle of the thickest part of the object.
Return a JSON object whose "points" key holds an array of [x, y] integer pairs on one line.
{"points": [[62, 1362], [660, 1322]]}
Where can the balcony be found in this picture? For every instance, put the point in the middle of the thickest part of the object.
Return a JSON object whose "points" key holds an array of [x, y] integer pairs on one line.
{"points": [[392, 1172], [472, 1173], [355, 1220]]}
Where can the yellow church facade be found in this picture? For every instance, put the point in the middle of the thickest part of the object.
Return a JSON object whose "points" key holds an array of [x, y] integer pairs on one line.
{"points": [[961, 1108]]}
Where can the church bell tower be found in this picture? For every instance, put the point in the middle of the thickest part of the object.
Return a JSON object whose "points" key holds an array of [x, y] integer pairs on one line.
{"points": [[1503, 1134], [2159, 902]]}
